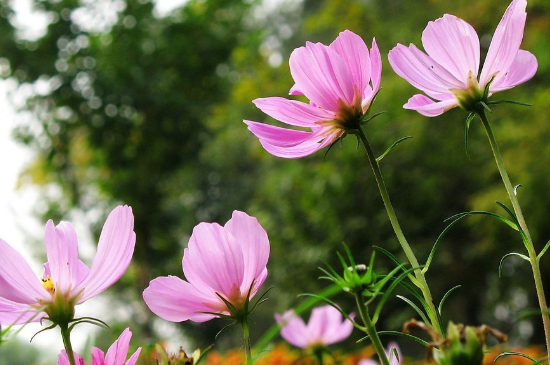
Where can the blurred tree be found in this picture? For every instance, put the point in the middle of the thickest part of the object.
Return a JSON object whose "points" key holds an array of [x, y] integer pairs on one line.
{"points": [[147, 111]]}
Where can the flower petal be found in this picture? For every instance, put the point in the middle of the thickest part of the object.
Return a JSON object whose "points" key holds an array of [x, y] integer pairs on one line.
{"points": [[114, 253], [254, 244], [368, 362], [321, 75], [428, 107], [406, 62], [314, 143], [17, 281], [116, 355], [62, 252], [293, 112], [376, 66], [355, 54], [454, 44], [214, 260], [98, 356], [176, 300], [522, 70], [12, 313], [505, 43], [283, 137], [63, 359], [134, 358], [390, 353], [293, 329]]}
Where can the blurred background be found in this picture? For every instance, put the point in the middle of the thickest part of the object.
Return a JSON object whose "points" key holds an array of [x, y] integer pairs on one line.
{"points": [[140, 102]]}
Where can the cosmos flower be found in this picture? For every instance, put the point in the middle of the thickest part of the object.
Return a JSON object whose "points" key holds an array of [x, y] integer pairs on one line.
{"points": [[221, 264], [67, 281], [448, 73], [325, 327], [116, 355], [340, 80]]}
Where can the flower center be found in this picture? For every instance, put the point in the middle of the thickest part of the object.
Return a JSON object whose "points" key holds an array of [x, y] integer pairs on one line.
{"points": [[48, 284], [470, 97]]}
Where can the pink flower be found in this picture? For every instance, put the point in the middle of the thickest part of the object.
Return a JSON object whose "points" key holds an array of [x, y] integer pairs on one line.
{"points": [[448, 73], [67, 281], [389, 353], [324, 328], [340, 81], [220, 261], [115, 356]]}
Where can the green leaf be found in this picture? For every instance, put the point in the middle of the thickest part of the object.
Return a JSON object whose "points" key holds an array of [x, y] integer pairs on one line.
{"points": [[400, 334], [543, 250], [496, 102], [446, 296], [396, 261], [415, 307], [508, 255], [512, 353], [391, 147], [385, 297]]}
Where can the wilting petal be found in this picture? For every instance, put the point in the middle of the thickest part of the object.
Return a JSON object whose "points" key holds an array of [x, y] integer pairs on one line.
{"points": [[505, 43], [522, 70], [355, 54], [114, 253], [283, 137], [428, 107], [293, 329], [17, 281], [254, 245], [214, 258], [63, 359], [62, 252], [454, 44], [12, 313], [176, 300], [376, 66], [293, 112], [321, 75], [418, 73]]}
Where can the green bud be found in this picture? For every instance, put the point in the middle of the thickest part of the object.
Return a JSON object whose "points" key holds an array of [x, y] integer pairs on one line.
{"points": [[180, 358]]}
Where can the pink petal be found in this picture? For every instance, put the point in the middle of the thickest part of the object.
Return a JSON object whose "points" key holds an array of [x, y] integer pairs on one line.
{"points": [[326, 326], [134, 358], [176, 300], [293, 112], [368, 362], [63, 359], [522, 70], [428, 107], [114, 253], [116, 355], [294, 91], [454, 44], [355, 54], [316, 142], [321, 74], [254, 244], [276, 135], [98, 356], [406, 63], [62, 251], [214, 260], [506, 42], [390, 353], [17, 281], [376, 66], [12, 313], [293, 329]]}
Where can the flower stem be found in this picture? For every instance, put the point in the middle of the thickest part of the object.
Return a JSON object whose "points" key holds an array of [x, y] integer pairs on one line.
{"points": [[66, 335], [521, 220], [370, 329], [318, 353], [423, 285], [246, 336]]}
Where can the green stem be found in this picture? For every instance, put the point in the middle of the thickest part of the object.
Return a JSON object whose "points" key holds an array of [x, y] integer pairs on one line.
{"points": [[423, 285], [66, 335], [370, 329], [319, 356], [521, 220], [246, 336]]}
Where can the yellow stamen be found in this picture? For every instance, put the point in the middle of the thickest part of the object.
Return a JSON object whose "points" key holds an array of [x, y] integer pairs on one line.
{"points": [[47, 283]]}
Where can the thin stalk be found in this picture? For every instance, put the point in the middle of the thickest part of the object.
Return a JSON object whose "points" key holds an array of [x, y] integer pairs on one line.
{"points": [[66, 335], [399, 233], [318, 353], [246, 336], [370, 329], [519, 214]]}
